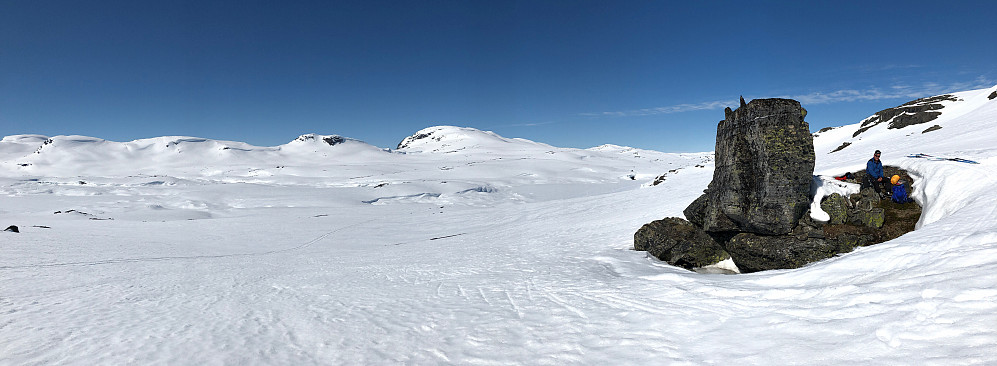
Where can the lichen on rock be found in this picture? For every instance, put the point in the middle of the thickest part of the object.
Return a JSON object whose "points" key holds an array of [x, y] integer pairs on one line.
{"points": [[680, 243], [836, 207], [764, 166]]}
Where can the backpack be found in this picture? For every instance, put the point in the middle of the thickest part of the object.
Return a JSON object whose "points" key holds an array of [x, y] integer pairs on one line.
{"points": [[900, 193], [845, 177]]}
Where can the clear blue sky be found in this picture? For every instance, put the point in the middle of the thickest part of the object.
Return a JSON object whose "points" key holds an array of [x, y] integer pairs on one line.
{"points": [[649, 74]]}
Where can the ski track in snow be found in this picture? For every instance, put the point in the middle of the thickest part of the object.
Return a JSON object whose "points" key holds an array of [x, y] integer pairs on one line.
{"points": [[175, 258], [539, 269]]}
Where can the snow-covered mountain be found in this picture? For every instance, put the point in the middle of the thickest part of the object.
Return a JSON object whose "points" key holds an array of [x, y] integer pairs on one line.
{"points": [[465, 247], [959, 123], [174, 155], [434, 162], [451, 139]]}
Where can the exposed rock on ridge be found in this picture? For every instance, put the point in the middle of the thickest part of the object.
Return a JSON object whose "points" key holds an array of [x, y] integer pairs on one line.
{"points": [[332, 140], [919, 111]]}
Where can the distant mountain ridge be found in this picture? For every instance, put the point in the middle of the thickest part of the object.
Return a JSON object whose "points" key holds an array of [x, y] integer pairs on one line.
{"points": [[445, 153], [35, 154], [919, 123]]}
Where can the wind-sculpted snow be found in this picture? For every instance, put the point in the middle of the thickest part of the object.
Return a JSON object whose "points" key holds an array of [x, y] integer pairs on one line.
{"points": [[522, 258]]}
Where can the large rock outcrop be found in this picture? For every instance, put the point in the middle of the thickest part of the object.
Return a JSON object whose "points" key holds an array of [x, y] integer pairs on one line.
{"points": [[764, 167], [760, 189], [756, 208]]}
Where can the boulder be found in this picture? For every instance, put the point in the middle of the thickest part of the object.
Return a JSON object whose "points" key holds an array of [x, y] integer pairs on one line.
{"points": [[865, 210], [13, 229], [848, 242], [679, 243], [752, 252], [836, 207], [867, 194], [696, 211], [873, 217], [808, 228], [764, 167]]}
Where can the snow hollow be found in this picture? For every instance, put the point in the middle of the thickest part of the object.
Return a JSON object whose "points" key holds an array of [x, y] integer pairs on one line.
{"points": [[465, 247]]}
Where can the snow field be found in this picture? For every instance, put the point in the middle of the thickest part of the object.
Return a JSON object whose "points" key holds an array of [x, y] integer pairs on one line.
{"points": [[525, 259]]}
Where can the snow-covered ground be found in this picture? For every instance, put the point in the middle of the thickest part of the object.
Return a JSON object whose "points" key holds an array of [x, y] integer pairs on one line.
{"points": [[465, 247]]}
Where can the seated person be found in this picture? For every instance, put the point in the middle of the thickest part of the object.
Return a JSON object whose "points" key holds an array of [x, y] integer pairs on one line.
{"points": [[899, 190], [874, 175]]}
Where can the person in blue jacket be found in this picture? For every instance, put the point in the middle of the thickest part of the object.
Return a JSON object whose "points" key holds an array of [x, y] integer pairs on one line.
{"points": [[899, 190], [874, 175]]}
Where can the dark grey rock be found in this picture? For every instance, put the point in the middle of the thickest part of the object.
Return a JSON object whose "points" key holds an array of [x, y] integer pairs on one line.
{"points": [[679, 243], [992, 95], [408, 140], [12, 228], [866, 195], [333, 140], [696, 211], [808, 228], [848, 242], [932, 128], [873, 217], [752, 252], [661, 178], [764, 167], [330, 140], [843, 145]]}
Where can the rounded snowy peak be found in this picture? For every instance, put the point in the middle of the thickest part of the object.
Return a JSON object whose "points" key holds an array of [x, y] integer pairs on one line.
{"points": [[24, 139], [452, 139], [315, 143], [612, 148]]}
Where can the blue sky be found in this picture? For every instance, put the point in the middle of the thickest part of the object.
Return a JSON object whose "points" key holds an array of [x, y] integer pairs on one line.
{"points": [[648, 74]]}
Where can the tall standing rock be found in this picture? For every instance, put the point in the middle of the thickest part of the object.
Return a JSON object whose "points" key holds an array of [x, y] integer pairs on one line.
{"points": [[764, 167]]}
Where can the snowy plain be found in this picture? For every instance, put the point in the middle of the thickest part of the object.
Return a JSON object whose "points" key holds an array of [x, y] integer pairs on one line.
{"points": [[465, 247]]}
